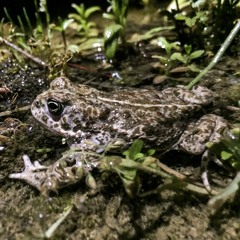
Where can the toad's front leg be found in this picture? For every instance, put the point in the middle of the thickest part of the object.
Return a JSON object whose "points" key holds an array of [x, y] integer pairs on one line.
{"points": [[62, 173]]}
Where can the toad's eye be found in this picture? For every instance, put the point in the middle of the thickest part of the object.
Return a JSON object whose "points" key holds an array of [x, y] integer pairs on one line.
{"points": [[55, 107]]}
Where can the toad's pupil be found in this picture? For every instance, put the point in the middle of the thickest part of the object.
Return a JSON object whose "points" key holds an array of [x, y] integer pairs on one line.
{"points": [[55, 107]]}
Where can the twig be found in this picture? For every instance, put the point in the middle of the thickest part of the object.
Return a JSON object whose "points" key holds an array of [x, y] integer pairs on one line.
{"points": [[217, 57], [230, 191], [232, 108], [26, 54], [171, 171], [49, 233], [185, 185], [8, 113], [176, 184]]}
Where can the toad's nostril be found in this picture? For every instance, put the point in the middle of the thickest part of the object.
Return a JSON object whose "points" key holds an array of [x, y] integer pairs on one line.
{"points": [[37, 104]]}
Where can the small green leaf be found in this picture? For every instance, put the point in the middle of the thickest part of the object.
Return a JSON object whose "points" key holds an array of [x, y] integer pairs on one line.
{"points": [[75, 17], [196, 54], [236, 165], [108, 16], [202, 16], [91, 10], [154, 31], [138, 156], [112, 32], [226, 155], [188, 49], [43, 6], [40, 150], [90, 181], [132, 187], [179, 57], [193, 68], [190, 22], [90, 25], [73, 48], [149, 161], [129, 174], [127, 163], [80, 9], [134, 150], [57, 28], [162, 59], [91, 43], [151, 152], [66, 23], [179, 16], [126, 153], [163, 42], [111, 48], [111, 35]]}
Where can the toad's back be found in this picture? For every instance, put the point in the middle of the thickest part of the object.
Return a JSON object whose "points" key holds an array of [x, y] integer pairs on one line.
{"points": [[81, 113]]}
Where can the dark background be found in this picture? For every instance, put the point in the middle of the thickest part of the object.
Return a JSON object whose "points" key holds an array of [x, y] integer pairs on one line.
{"points": [[55, 7]]}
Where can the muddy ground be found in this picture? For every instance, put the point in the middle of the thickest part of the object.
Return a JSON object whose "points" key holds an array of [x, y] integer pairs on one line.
{"points": [[109, 213]]}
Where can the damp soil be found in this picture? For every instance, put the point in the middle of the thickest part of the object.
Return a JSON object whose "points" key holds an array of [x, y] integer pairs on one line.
{"points": [[109, 213]]}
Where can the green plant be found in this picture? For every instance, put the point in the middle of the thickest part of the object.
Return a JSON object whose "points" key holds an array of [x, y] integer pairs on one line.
{"points": [[167, 61], [187, 58], [61, 27], [118, 13], [224, 14], [153, 33], [228, 149], [127, 168], [136, 160], [119, 9], [31, 38], [200, 17], [217, 56], [189, 24], [135, 151], [85, 27], [44, 152], [205, 24], [171, 56]]}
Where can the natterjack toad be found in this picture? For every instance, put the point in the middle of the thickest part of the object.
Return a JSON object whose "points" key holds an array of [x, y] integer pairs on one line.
{"points": [[91, 120]]}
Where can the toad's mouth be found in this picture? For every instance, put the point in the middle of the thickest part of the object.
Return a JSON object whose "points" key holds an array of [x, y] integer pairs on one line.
{"points": [[59, 127]]}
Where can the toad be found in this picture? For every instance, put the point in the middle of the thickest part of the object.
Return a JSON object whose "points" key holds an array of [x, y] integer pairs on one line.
{"points": [[92, 120]]}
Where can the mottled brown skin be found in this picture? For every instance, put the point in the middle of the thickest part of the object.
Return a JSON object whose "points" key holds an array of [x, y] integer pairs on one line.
{"points": [[92, 120], [102, 118]]}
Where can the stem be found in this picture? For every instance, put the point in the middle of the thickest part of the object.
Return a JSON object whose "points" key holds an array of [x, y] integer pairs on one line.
{"points": [[218, 55], [28, 20], [49, 233], [177, 5], [64, 40], [21, 24], [182, 184], [8, 15], [231, 190], [26, 54]]}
